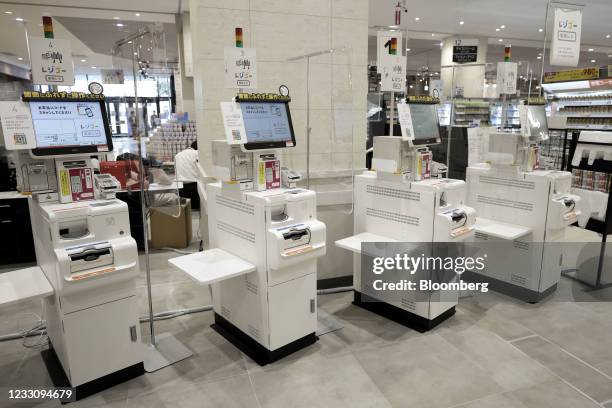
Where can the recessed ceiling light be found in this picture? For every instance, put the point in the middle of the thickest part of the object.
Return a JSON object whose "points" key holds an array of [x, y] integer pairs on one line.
{"points": [[498, 29], [436, 73], [408, 49], [609, 55], [591, 50], [540, 29], [433, 35], [94, 67], [539, 57], [502, 26], [417, 18], [500, 40], [8, 12], [129, 42], [20, 58], [137, 14], [441, 43], [115, 18], [411, 86], [607, 35], [462, 22], [593, 61], [135, 53], [19, 19], [83, 60]]}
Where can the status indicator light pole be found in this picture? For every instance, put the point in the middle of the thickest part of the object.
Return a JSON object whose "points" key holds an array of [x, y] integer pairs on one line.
{"points": [[239, 42], [507, 53], [47, 26]]}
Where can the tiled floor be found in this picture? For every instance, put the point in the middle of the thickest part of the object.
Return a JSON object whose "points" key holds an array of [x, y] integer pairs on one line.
{"points": [[495, 352]]}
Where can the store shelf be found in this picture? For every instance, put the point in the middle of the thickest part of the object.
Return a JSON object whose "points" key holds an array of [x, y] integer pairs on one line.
{"points": [[585, 103]]}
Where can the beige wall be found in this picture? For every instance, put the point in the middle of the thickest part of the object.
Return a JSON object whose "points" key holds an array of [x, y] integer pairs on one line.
{"points": [[470, 78], [279, 30]]}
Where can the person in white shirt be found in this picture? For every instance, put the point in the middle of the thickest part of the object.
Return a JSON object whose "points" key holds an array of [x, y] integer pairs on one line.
{"points": [[186, 167], [186, 164]]}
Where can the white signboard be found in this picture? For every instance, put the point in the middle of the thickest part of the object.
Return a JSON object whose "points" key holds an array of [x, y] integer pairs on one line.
{"points": [[435, 89], [565, 47], [405, 120], [383, 43], [17, 127], [240, 68], [112, 76], [235, 133], [51, 61], [507, 77], [393, 74]]}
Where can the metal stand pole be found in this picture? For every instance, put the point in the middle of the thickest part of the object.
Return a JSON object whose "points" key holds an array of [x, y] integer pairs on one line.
{"points": [[391, 113], [308, 129]]}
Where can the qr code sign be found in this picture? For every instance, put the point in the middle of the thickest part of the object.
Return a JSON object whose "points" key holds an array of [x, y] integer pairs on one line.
{"points": [[236, 134], [20, 139]]}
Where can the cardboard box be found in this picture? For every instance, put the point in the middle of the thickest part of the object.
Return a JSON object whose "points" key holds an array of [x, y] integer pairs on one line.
{"points": [[169, 230]]}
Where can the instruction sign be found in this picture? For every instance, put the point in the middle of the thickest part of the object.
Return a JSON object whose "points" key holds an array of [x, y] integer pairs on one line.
{"points": [[240, 68], [393, 74], [17, 127], [507, 77], [565, 46], [233, 122], [112, 76], [51, 61]]}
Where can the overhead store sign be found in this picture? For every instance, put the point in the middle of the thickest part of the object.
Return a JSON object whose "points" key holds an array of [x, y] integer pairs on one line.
{"points": [[465, 50], [240, 68], [393, 74], [51, 61], [507, 77], [388, 48], [565, 47], [571, 75]]}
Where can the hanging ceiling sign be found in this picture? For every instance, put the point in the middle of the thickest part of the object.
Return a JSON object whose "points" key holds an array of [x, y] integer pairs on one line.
{"points": [[393, 74], [465, 50], [388, 47], [240, 68], [112, 76], [507, 77], [565, 46], [51, 61]]}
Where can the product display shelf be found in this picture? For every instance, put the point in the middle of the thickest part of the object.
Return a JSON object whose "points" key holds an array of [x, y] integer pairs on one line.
{"points": [[466, 111], [586, 111], [602, 227]]}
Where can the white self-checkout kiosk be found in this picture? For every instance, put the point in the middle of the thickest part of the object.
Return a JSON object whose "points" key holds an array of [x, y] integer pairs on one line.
{"points": [[400, 201], [83, 246], [522, 210], [265, 237]]}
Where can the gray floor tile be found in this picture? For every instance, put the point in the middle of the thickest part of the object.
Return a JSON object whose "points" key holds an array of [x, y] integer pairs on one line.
{"points": [[317, 381], [234, 392], [413, 372], [605, 366], [506, 365], [555, 394], [490, 319], [494, 401], [581, 376]]}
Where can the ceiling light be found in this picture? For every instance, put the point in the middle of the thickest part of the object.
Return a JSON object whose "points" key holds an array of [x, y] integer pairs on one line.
{"points": [[129, 42], [497, 29], [94, 67], [408, 49], [539, 57], [433, 35], [83, 60], [607, 35], [115, 18], [500, 40], [411, 86], [8, 12], [591, 50], [20, 58], [441, 43], [436, 73], [593, 61], [540, 29], [135, 53], [609, 55], [120, 25], [462, 22], [502, 26], [137, 14], [19, 19], [417, 18]]}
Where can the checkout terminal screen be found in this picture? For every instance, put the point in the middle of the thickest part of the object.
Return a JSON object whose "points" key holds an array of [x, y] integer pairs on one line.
{"points": [[66, 124], [536, 121], [266, 122], [424, 123]]}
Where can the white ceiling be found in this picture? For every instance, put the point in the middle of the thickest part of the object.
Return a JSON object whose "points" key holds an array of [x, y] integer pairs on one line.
{"points": [[151, 6]]}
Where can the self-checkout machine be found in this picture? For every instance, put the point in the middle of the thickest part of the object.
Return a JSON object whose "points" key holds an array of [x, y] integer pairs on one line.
{"points": [[523, 211], [264, 235], [403, 200], [84, 249]]}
